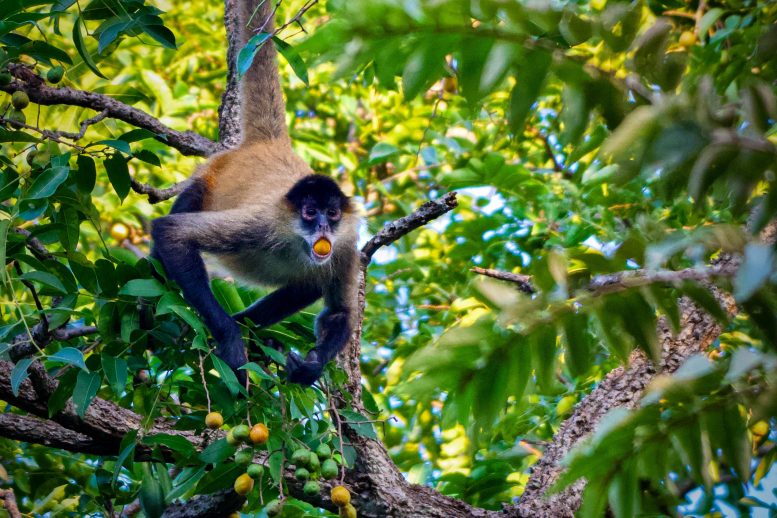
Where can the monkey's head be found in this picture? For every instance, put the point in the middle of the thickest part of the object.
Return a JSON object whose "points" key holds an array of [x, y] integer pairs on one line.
{"points": [[320, 205]]}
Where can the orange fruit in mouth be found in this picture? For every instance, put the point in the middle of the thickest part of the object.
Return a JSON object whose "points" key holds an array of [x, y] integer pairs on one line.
{"points": [[322, 247]]}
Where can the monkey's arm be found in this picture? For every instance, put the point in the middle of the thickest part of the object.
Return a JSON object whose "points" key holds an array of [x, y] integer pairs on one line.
{"points": [[178, 241], [280, 304], [334, 327]]}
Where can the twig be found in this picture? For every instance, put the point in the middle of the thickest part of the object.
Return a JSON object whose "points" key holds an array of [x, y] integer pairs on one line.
{"points": [[156, 195], [523, 281], [35, 245], [548, 150], [204, 383], [396, 229], [68, 333]]}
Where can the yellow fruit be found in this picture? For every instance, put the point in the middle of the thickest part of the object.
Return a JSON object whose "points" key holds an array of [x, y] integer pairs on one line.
{"points": [[259, 434], [348, 511], [322, 247], [687, 39], [340, 496], [760, 428], [214, 420], [119, 231], [243, 484]]}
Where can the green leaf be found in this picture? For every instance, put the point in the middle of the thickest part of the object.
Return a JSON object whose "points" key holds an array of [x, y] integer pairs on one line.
{"points": [[424, 66], [754, 271], [533, 72], [381, 152], [222, 476], [227, 376], [152, 496], [708, 20], [358, 424], [126, 455], [292, 56], [47, 183], [46, 279], [118, 174], [161, 34], [118, 145], [87, 385], [217, 452], [185, 481], [142, 288], [579, 356], [115, 370], [246, 55], [86, 175], [78, 41], [174, 442], [5, 224], [69, 355], [19, 374]]}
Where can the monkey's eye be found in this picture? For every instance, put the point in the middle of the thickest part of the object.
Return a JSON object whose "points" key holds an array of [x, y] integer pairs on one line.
{"points": [[309, 213], [333, 214]]}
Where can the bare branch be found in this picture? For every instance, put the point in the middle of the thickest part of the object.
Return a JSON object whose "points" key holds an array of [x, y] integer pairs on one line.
{"points": [[35, 245], [396, 229], [156, 195], [621, 281], [187, 142], [523, 281]]}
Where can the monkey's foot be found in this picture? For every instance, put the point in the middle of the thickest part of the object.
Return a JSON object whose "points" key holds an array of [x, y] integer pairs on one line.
{"points": [[304, 372]]}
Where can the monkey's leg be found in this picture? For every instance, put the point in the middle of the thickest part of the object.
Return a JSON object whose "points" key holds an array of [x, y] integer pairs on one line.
{"points": [[333, 329], [280, 304], [178, 241]]}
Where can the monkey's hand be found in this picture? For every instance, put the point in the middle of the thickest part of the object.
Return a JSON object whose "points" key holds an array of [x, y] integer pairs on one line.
{"points": [[233, 352], [304, 372]]}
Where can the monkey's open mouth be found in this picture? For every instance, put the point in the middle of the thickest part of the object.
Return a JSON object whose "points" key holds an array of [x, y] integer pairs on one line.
{"points": [[322, 248]]}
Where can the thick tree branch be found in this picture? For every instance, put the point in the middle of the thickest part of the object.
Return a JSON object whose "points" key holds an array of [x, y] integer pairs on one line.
{"points": [[187, 142], [156, 195], [623, 388], [48, 433]]}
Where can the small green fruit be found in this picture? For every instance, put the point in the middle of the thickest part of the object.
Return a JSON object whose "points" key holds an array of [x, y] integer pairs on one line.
{"points": [[5, 78], [255, 471], [300, 457], [16, 116], [329, 469], [231, 439], [311, 488], [20, 100], [313, 462], [244, 457], [274, 508], [55, 74], [323, 451], [302, 474], [241, 432]]}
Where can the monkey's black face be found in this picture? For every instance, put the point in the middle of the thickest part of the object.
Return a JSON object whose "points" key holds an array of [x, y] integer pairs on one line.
{"points": [[320, 204]]}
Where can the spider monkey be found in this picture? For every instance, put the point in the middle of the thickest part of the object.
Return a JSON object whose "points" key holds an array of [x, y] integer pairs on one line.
{"points": [[263, 213]]}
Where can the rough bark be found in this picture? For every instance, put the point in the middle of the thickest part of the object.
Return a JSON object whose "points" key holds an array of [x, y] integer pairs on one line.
{"points": [[187, 142], [230, 130]]}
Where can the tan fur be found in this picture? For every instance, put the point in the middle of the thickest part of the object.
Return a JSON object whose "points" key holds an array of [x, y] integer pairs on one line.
{"points": [[263, 113]]}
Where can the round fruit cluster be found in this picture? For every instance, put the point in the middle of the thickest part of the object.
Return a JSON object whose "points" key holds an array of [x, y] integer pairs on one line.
{"points": [[256, 435], [312, 464]]}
